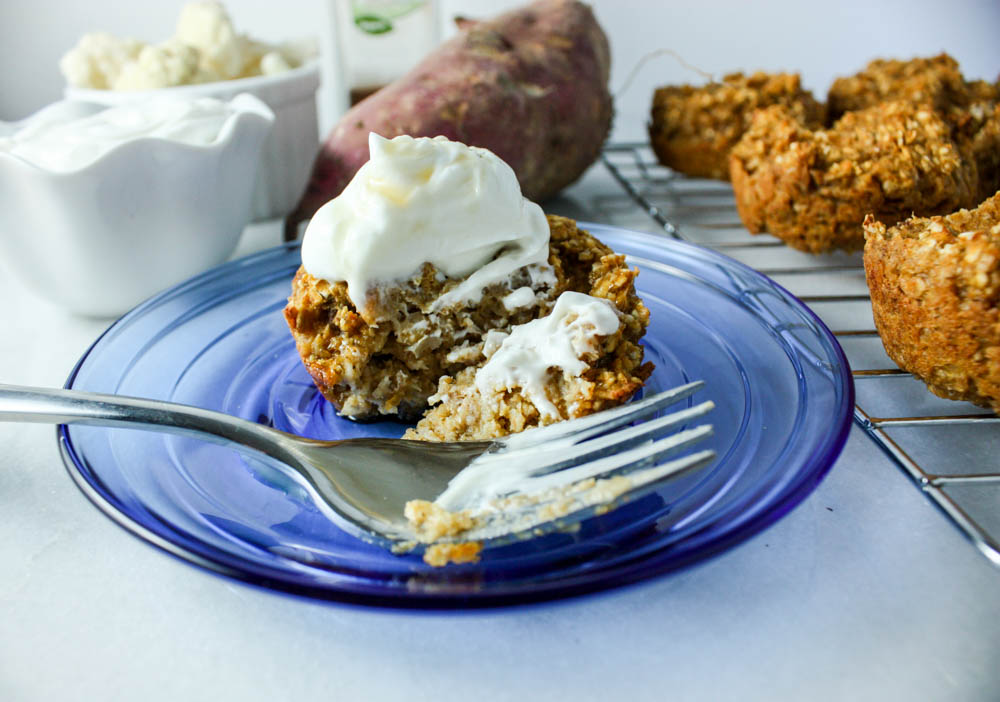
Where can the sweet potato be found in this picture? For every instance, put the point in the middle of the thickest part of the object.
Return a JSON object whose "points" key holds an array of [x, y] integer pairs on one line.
{"points": [[529, 85]]}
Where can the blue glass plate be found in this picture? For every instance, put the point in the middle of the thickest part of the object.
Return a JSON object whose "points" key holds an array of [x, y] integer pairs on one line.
{"points": [[778, 377]]}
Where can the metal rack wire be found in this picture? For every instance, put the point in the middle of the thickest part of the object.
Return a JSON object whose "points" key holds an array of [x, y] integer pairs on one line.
{"points": [[934, 441]]}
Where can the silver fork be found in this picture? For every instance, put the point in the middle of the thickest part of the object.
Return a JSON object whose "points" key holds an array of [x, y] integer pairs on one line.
{"points": [[364, 484]]}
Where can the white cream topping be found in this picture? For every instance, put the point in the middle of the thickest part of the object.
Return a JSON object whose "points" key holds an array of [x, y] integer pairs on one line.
{"points": [[558, 341], [522, 297], [423, 200], [73, 138]]}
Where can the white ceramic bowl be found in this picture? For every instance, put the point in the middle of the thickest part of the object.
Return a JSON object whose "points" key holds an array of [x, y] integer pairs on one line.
{"points": [[288, 154], [146, 214]]}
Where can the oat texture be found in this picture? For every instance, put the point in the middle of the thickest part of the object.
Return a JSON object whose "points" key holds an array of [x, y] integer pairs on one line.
{"points": [[935, 289], [813, 189], [692, 128]]}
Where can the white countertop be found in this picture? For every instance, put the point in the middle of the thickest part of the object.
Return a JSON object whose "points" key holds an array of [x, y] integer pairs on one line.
{"points": [[863, 592]]}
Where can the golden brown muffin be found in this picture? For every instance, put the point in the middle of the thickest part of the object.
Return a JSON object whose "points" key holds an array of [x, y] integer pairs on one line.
{"points": [[935, 81], [977, 132], [692, 128], [935, 289], [387, 365], [813, 189], [970, 108]]}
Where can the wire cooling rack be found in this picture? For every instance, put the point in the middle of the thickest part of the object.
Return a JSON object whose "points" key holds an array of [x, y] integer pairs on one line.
{"points": [[951, 450]]}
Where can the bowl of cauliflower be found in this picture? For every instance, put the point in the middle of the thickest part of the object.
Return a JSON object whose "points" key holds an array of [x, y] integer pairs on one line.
{"points": [[208, 57]]}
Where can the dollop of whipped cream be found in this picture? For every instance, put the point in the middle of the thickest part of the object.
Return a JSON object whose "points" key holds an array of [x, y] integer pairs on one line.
{"points": [[564, 339], [430, 200], [75, 135]]}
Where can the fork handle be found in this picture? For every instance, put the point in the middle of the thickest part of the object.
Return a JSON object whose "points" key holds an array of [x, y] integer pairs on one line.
{"points": [[52, 406]]}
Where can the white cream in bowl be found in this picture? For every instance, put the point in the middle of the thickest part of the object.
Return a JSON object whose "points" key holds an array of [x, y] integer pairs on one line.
{"points": [[102, 207], [75, 140], [287, 156]]}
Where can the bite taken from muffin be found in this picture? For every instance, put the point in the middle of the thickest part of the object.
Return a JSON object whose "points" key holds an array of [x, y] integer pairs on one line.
{"points": [[935, 290], [580, 358], [429, 264]]}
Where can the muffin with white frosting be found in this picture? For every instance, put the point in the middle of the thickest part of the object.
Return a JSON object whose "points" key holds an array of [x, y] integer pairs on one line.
{"points": [[429, 253]]}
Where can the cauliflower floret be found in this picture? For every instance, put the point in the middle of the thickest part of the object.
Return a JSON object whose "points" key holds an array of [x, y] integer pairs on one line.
{"points": [[97, 60], [206, 26], [297, 51], [205, 47], [161, 66], [273, 62]]}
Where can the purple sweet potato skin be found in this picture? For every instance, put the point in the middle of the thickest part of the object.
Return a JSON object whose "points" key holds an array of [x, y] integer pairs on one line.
{"points": [[529, 85]]}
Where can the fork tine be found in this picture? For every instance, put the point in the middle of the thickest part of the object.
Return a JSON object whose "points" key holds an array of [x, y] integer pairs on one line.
{"points": [[623, 462], [552, 458], [585, 427], [461, 491], [566, 508]]}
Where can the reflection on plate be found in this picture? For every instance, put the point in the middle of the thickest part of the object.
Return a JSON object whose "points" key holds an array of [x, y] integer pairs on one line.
{"points": [[779, 380]]}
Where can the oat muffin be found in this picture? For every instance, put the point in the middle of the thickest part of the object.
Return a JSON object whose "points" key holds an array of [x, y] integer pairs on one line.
{"points": [[977, 133], [388, 365], [935, 81], [692, 128], [813, 189], [970, 108], [935, 289]]}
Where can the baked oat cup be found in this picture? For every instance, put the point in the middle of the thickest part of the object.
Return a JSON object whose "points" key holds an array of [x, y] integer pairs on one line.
{"points": [[970, 108], [692, 128], [424, 265], [386, 367], [935, 290], [812, 189], [936, 81]]}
